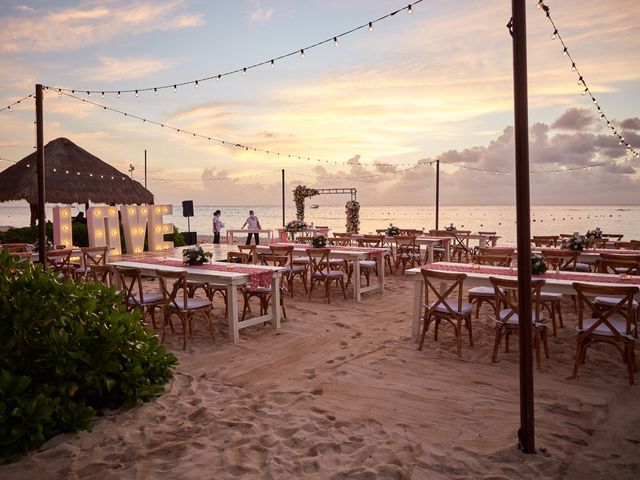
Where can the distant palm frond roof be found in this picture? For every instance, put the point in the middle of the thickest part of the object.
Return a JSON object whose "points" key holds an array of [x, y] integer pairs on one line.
{"points": [[88, 178]]}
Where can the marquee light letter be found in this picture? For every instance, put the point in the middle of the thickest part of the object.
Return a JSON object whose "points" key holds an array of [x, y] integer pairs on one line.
{"points": [[62, 233], [103, 228], [134, 224], [157, 229]]}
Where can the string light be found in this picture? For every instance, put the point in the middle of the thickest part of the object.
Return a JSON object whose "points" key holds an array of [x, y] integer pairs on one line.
{"points": [[582, 82], [332, 38], [8, 107], [336, 42]]}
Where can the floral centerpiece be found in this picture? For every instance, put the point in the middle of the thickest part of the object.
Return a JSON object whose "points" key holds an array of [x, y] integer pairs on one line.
{"points": [[451, 228], [352, 209], [392, 230], [538, 267], [593, 234], [295, 226], [577, 242], [319, 242], [299, 194], [195, 255], [48, 245]]}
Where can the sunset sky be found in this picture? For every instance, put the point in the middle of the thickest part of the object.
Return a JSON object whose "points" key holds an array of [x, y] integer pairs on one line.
{"points": [[433, 84]]}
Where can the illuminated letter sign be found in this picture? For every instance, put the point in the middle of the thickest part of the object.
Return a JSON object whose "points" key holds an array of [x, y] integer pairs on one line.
{"points": [[62, 233], [134, 224], [157, 229], [103, 228]]}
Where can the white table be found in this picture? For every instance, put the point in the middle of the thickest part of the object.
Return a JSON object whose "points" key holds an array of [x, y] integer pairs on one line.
{"points": [[314, 231], [231, 233], [230, 280], [346, 253], [480, 278]]}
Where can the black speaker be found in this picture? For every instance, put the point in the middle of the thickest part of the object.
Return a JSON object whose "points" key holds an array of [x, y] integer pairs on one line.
{"points": [[187, 208], [190, 238]]}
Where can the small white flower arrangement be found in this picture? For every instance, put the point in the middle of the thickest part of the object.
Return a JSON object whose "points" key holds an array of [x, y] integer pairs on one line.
{"points": [[451, 228], [538, 265], [195, 255], [392, 230], [578, 242]]}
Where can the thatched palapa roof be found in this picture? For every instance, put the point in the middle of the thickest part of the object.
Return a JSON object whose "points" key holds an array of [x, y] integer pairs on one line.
{"points": [[88, 178]]}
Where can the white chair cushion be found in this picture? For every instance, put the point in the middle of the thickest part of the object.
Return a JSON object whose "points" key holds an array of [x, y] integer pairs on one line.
{"points": [[550, 296], [465, 308], [482, 292], [618, 323], [296, 268], [611, 301], [300, 260], [514, 320], [368, 263], [336, 261], [191, 303], [330, 273], [583, 267], [149, 298]]}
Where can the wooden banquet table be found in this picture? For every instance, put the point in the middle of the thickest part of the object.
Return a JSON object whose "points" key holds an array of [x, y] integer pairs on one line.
{"points": [[479, 276], [354, 254], [229, 275]]}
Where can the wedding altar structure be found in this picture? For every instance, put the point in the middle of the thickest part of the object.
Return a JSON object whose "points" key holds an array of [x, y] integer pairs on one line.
{"points": [[352, 207]]}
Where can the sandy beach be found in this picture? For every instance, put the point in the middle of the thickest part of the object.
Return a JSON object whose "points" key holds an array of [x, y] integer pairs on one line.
{"points": [[341, 391]]}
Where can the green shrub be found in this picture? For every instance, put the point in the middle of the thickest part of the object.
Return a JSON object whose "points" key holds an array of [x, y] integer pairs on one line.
{"points": [[67, 351]]}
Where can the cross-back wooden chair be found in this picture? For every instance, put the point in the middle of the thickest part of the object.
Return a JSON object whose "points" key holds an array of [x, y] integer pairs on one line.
{"points": [[59, 262], [545, 240], [22, 256], [480, 295], [321, 272], [250, 250], [263, 294], [460, 250], [613, 236], [562, 260], [500, 251], [341, 234], [506, 315], [596, 322], [135, 298], [237, 257], [340, 241], [445, 306], [487, 241], [14, 247], [294, 269], [378, 241], [304, 239], [619, 263], [91, 257], [631, 245], [407, 252], [101, 274], [175, 300]]}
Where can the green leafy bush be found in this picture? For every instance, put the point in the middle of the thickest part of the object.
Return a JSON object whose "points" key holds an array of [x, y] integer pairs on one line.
{"points": [[67, 351]]}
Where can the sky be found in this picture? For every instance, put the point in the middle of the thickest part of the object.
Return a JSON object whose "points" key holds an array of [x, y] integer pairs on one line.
{"points": [[374, 112]]}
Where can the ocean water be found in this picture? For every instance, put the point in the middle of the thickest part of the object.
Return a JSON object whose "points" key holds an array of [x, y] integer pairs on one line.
{"points": [[545, 220]]}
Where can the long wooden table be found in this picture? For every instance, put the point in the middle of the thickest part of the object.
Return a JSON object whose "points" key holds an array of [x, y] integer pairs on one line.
{"points": [[355, 254], [479, 276], [231, 281]]}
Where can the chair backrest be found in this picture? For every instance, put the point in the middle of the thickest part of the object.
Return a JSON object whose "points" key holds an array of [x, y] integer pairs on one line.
{"points": [[340, 234], [250, 250], [497, 251], [620, 256], [170, 285], [441, 233], [101, 274], [405, 245], [560, 259], [495, 260], [319, 259], [597, 243], [370, 241], [237, 257], [615, 266], [632, 245], [131, 283], [59, 261], [286, 250], [487, 233], [304, 239], [22, 256], [432, 289], [92, 256], [624, 297], [275, 260], [545, 240], [342, 241], [613, 236], [506, 293], [14, 247]]}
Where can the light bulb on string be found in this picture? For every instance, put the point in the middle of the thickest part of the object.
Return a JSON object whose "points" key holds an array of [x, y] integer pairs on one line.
{"points": [[580, 81], [336, 42], [244, 71], [584, 92], [371, 26], [118, 94], [565, 52], [573, 67], [155, 90], [59, 93], [219, 77], [137, 94], [196, 85], [88, 94], [302, 53], [175, 88], [409, 10], [554, 35], [273, 63], [102, 94]]}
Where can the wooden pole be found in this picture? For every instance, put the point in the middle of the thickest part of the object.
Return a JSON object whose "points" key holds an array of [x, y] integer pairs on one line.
{"points": [[283, 208], [437, 192], [42, 232], [145, 168], [526, 434]]}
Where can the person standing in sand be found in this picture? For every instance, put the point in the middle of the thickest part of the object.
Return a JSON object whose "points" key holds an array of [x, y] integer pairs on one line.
{"points": [[217, 226], [252, 223]]}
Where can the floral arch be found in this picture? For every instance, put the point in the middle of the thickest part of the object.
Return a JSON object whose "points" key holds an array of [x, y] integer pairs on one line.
{"points": [[352, 207]]}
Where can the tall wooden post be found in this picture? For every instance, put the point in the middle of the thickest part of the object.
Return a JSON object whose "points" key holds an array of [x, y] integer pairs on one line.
{"points": [[42, 232], [283, 213], [145, 168], [437, 192], [526, 434]]}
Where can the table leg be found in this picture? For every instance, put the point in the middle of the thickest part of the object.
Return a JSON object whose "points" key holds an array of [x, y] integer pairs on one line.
{"points": [[430, 252], [356, 280], [275, 299], [381, 273], [232, 313], [418, 287], [446, 246]]}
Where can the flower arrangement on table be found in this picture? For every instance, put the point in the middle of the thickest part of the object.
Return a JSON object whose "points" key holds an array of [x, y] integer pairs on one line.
{"points": [[577, 242], [538, 266], [392, 230], [295, 226], [48, 246], [195, 255], [593, 235], [451, 228], [352, 209], [319, 242]]}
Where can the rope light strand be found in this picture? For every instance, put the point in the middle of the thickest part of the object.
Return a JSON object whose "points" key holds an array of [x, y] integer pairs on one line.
{"points": [[532, 172], [8, 107], [582, 83], [243, 70]]}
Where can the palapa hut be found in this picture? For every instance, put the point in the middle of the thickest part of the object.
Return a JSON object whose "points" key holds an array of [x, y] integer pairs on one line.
{"points": [[72, 175]]}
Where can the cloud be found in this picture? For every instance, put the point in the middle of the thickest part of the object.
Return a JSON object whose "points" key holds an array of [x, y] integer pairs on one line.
{"points": [[575, 119], [259, 14], [77, 27], [114, 69], [631, 123]]}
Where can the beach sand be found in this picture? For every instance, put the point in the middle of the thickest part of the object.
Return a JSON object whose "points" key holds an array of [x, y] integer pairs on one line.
{"points": [[341, 392]]}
